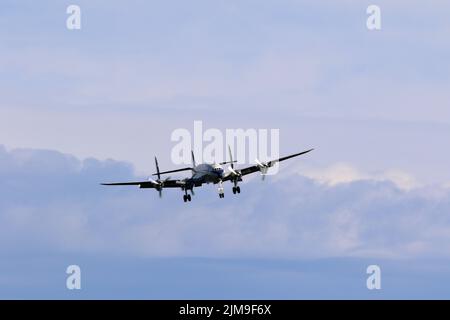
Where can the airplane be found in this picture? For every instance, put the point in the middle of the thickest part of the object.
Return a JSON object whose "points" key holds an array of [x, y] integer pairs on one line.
{"points": [[205, 173]]}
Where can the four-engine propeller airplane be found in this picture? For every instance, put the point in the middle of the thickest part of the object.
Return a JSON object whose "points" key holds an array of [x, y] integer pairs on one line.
{"points": [[205, 173]]}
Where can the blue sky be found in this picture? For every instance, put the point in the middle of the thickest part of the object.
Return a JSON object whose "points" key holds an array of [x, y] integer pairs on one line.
{"points": [[375, 105]]}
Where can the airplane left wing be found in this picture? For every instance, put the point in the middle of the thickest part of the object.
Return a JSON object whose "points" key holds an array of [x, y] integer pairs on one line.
{"points": [[149, 184]]}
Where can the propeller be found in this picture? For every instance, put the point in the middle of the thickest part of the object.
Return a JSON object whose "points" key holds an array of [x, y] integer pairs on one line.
{"points": [[263, 167], [231, 159], [231, 169], [231, 162], [159, 184]]}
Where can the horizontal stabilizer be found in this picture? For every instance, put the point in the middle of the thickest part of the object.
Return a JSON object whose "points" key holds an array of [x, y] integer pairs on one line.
{"points": [[177, 170], [227, 162]]}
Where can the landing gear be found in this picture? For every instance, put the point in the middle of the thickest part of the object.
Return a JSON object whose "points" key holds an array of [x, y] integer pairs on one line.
{"points": [[236, 188], [187, 197], [220, 189]]}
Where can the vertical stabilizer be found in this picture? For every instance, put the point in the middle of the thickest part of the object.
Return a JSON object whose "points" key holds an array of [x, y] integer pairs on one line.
{"points": [[193, 159]]}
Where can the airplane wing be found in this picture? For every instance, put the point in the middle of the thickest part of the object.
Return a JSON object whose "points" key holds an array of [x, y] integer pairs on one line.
{"points": [[149, 184], [257, 167]]}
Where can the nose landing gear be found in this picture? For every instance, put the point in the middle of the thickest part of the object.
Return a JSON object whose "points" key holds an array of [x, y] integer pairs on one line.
{"points": [[220, 189]]}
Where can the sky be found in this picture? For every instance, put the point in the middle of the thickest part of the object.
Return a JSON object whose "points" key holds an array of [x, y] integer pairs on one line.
{"points": [[80, 107]]}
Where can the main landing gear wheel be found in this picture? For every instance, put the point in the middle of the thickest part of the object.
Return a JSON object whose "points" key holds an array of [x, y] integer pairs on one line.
{"points": [[221, 195], [187, 197], [236, 190]]}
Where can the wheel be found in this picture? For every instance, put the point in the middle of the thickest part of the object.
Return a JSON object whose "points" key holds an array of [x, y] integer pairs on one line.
{"points": [[189, 197], [238, 189], [184, 198], [234, 190]]}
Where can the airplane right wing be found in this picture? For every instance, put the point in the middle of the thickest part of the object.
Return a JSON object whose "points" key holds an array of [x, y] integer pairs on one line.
{"points": [[260, 166]]}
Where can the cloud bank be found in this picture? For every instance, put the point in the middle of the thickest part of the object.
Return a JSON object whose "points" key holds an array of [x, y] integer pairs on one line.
{"points": [[53, 203]]}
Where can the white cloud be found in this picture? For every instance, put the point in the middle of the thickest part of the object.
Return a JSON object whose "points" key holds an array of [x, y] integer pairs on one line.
{"points": [[339, 213], [345, 173]]}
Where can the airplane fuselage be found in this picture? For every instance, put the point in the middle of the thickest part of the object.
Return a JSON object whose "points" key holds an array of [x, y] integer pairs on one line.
{"points": [[207, 173]]}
